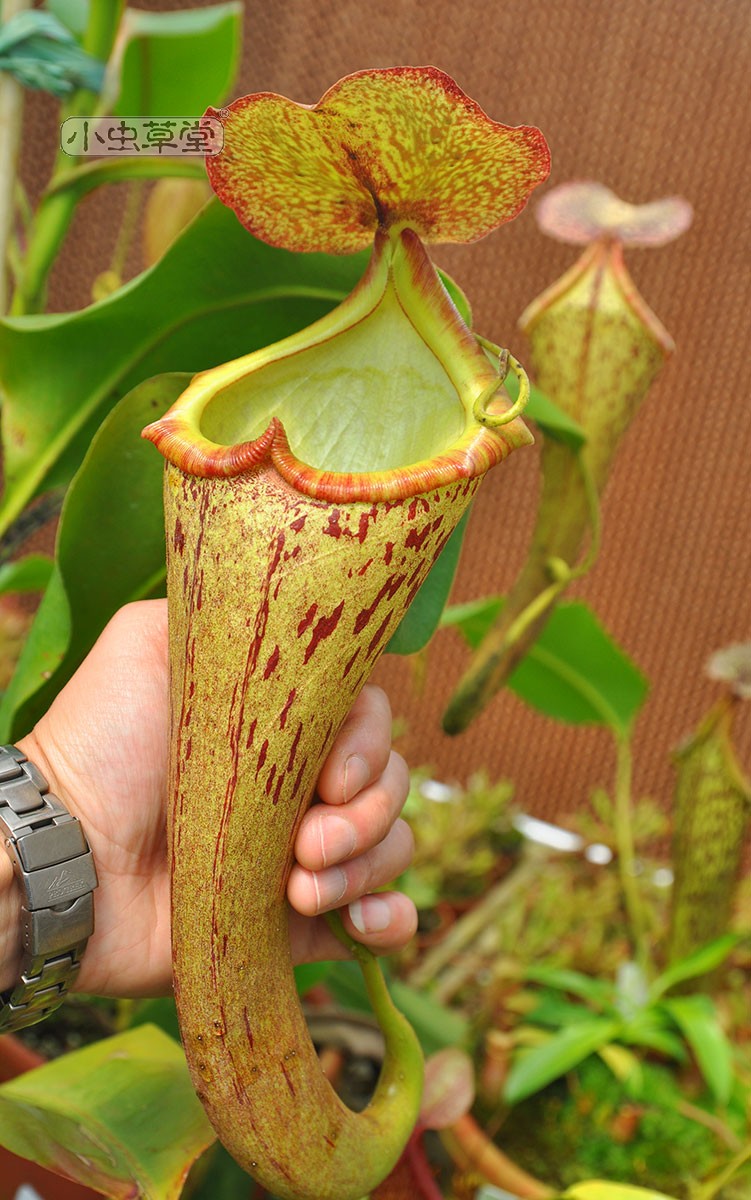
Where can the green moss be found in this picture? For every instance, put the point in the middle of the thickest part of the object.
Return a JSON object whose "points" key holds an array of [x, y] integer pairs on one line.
{"points": [[595, 1129]]}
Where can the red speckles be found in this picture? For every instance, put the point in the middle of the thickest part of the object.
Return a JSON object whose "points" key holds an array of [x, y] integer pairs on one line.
{"points": [[285, 711], [415, 504], [270, 779], [388, 591], [248, 1030], [324, 627], [272, 663], [278, 788], [298, 780], [350, 664], [188, 748], [377, 637], [293, 747], [262, 756], [251, 733], [388, 553], [333, 528], [178, 537], [363, 569], [286, 1074], [362, 528], [415, 540], [307, 620], [298, 524]]}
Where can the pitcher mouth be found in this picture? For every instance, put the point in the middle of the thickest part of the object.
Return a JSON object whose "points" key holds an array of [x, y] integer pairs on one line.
{"points": [[387, 396]]}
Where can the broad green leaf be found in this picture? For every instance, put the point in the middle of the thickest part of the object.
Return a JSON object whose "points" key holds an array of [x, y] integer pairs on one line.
{"points": [[29, 574], [424, 614], [703, 961], [120, 1116], [648, 1029], [597, 991], [697, 1020], [554, 1012], [216, 294], [535, 1069], [574, 672], [600, 1189], [176, 64], [436, 1025], [110, 550]]}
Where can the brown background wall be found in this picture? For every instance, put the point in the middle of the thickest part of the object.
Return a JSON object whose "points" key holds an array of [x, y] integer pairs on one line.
{"points": [[651, 97]]}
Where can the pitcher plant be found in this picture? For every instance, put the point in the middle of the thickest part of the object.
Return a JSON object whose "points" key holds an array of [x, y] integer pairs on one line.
{"points": [[309, 488]]}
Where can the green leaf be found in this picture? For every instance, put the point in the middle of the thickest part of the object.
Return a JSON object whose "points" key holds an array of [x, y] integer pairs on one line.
{"points": [[29, 574], [120, 1116], [424, 613], [535, 1069], [110, 550], [700, 962], [72, 13], [176, 64], [216, 294], [596, 991], [601, 1189], [574, 672], [697, 1020], [436, 1025]]}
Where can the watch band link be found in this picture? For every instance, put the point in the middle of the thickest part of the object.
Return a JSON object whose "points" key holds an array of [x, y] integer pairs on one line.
{"points": [[54, 866]]}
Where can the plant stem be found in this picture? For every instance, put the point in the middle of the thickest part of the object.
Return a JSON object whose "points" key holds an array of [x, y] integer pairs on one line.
{"points": [[470, 1147], [714, 1186], [11, 113], [624, 838], [55, 211]]}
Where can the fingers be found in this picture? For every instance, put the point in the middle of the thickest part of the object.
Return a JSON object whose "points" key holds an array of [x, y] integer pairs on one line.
{"points": [[313, 941], [330, 835], [314, 892], [361, 750]]}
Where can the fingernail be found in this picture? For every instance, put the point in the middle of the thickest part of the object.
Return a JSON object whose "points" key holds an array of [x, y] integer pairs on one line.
{"points": [[356, 775], [337, 838], [371, 914], [330, 886]]}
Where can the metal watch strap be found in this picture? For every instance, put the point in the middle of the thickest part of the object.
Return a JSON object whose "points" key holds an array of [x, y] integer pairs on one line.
{"points": [[53, 864]]}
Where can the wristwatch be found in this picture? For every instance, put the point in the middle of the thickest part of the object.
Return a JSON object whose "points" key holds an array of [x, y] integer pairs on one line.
{"points": [[54, 866]]}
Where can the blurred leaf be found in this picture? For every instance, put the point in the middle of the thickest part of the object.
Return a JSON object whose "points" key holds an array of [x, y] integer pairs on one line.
{"points": [[436, 1025], [216, 294], [218, 1177], [697, 1020], [600, 1189], [597, 991], [554, 1012], [624, 1065], [73, 13], [29, 574], [110, 550], [535, 1069], [647, 1029], [120, 1116], [40, 52], [176, 64], [574, 672], [424, 613], [701, 962], [308, 975]]}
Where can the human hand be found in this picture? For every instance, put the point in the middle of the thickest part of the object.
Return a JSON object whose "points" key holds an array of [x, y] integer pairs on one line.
{"points": [[103, 746]]}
